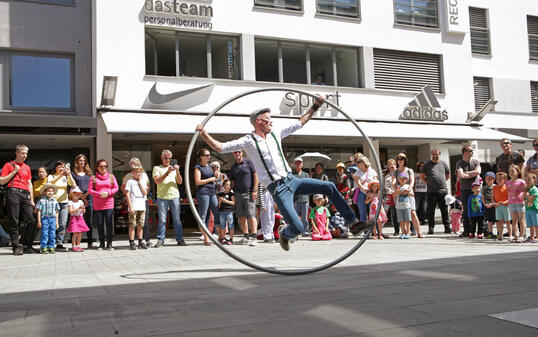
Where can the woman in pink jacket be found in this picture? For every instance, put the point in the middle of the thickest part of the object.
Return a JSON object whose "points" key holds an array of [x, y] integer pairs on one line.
{"points": [[102, 187]]}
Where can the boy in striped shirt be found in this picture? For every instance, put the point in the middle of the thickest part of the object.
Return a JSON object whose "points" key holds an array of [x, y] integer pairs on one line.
{"points": [[47, 219]]}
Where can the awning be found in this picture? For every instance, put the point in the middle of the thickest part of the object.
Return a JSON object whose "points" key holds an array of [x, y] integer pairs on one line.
{"points": [[151, 123]]}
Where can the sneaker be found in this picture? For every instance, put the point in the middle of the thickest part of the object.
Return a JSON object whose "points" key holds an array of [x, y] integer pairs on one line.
{"points": [[159, 244], [109, 247], [430, 231], [132, 246], [269, 241], [480, 236], [245, 241], [74, 249], [284, 243], [18, 250], [253, 242], [358, 227], [448, 231], [519, 240], [201, 237], [396, 234], [30, 250], [52, 251], [44, 251], [142, 245], [230, 242], [59, 246], [101, 247], [471, 236], [90, 245], [464, 235], [407, 236], [182, 243], [491, 236], [401, 236]]}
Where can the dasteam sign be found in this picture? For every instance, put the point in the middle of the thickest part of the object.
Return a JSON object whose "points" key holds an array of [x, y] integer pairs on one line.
{"points": [[425, 107], [178, 14]]}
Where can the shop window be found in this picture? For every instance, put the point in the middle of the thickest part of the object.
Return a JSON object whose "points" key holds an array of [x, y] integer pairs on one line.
{"points": [[40, 82], [294, 63], [482, 91], [478, 22], [294, 5], [532, 28], [348, 8], [266, 60], [301, 63], [197, 55], [399, 70], [534, 96], [421, 13]]}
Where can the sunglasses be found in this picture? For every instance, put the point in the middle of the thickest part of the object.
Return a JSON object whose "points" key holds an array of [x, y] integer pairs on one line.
{"points": [[535, 144], [104, 166], [167, 158], [237, 152], [206, 155], [507, 143]]}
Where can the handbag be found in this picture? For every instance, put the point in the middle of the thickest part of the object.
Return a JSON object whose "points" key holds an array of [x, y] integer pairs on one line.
{"points": [[389, 200]]}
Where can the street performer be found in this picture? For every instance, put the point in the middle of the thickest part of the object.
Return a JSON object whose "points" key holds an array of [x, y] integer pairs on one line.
{"points": [[264, 148]]}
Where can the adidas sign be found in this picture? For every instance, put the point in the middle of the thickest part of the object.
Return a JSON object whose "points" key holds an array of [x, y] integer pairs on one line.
{"points": [[424, 107]]}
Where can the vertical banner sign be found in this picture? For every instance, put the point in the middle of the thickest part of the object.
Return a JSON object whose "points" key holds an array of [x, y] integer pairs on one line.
{"points": [[230, 63], [456, 16]]}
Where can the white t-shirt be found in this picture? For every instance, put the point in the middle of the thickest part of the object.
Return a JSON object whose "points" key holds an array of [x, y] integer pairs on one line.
{"points": [[138, 200], [75, 205], [365, 177]]}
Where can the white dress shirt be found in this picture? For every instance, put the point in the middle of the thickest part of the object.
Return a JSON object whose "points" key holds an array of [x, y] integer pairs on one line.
{"points": [[269, 150]]}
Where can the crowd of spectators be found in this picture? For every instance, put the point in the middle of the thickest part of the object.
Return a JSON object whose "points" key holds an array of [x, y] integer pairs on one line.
{"points": [[74, 200]]}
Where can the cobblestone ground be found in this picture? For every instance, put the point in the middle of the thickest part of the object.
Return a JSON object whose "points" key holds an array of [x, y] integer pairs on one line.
{"points": [[438, 286]]}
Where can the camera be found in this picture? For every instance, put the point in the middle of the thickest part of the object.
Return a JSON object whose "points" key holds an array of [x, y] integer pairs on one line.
{"points": [[173, 162]]}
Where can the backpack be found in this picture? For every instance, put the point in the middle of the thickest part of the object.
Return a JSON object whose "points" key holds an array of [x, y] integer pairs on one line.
{"points": [[4, 188]]}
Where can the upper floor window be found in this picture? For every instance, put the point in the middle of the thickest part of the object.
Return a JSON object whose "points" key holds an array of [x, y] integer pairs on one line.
{"points": [[534, 96], [295, 5], [296, 62], [170, 53], [482, 92], [532, 28], [69, 2], [422, 13], [402, 70], [40, 81], [478, 22], [348, 8]]}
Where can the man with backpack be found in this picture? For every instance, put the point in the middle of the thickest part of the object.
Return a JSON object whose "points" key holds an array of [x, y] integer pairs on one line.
{"points": [[508, 157], [19, 200]]}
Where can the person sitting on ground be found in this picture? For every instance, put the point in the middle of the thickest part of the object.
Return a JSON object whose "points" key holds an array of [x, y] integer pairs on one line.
{"points": [[264, 147], [319, 219]]}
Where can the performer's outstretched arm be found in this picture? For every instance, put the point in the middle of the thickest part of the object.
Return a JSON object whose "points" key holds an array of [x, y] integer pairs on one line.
{"points": [[212, 142], [317, 104]]}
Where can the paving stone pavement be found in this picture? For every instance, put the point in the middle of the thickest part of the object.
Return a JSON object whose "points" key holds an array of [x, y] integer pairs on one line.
{"points": [[438, 286]]}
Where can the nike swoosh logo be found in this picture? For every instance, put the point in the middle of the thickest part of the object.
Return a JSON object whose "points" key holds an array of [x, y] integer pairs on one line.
{"points": [[155, 98]]}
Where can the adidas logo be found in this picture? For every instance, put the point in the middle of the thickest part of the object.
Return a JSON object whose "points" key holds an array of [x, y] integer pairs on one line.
{"points": [[424, 106]]}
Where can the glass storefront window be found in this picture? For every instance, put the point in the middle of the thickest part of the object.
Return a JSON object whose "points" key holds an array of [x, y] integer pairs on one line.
{"points": [[40, 81]]}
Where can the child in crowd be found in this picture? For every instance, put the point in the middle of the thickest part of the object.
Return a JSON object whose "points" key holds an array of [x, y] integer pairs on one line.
{"points": [[47, 218], [40, 183], [226, 213], [487, 201], [319, 219], [516, 190], [136, 194], [500, 201], [476, 212], [403, 205], [372, 198], [456, 208], [337, 226], [531, 207], [76, 221]]}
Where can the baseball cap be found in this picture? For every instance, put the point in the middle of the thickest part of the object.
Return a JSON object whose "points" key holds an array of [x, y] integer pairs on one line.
{"points": [[298, 159], [403, 175], [490, 174], [449, 199], [318, 196], [476, 183], [340, 165]]}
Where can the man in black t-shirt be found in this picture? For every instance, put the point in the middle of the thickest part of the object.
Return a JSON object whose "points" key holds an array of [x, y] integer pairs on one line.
{"points": [[467, 170], [245, 184], [435, 173], [508, 157]]}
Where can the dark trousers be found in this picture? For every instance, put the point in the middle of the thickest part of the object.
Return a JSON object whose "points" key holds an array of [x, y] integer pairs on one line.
{"points": [[421, 201], [476, 223], [20, 210], [88, 219], [437, 199], [145, 230], [464, 198], [105, 217], [391, 215]]}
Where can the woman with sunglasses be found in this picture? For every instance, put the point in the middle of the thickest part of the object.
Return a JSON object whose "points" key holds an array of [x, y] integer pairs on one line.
{"points": [[205, 178], [532, 162], [81, 174], [401, 166], [102, 187]]}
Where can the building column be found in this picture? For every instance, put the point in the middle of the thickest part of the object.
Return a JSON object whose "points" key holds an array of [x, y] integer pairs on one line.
{"points": [[368, 152], [103, 142], [367, 67], [248, 61]]}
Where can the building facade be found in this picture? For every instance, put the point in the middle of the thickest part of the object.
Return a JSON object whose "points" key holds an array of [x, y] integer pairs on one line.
{"points": [[46, 80]]}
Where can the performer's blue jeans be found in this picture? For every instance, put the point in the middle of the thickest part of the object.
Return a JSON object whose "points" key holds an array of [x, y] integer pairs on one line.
{"points": [[284, 189]]}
